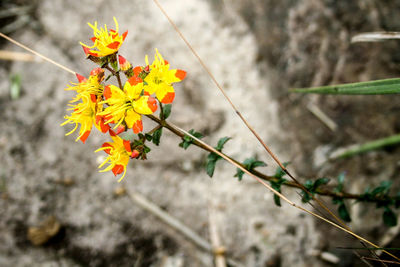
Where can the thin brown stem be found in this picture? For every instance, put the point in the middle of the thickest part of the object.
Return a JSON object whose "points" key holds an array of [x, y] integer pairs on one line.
{"points": [[275, 158], [180, 132]]}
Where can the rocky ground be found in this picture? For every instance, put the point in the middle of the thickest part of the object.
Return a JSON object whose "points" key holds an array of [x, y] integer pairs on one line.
{"points": [[257, 50]]}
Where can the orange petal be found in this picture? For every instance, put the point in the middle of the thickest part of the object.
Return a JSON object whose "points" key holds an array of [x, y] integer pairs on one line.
{"points": [[166, 62], [93, 54], [152, 103], [137, 70], [107, 92], [80, 78], [96, 71], [124, 35], [137, 127], [93, 39], [118, 169], [180, 74], [84, 136], [112, 133], [120, 129], [134, 80], [86, 50], [108, 151], [127, 145], [93, 98], [168, 98], [113, 45]]}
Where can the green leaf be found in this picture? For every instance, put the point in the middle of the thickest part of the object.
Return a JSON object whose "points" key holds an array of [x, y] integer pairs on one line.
{"points": [[187, 140], [382, 189], [319, 182], [277, 200], [277, 187], [343, 213], [210, 167], [239, 174], [222, 142], [249, 164], [279, 173], [148, 137], [378, 87], [166, 111], [15, 88], [146, 149], [389, 217], [340, 185], [157, 136]]}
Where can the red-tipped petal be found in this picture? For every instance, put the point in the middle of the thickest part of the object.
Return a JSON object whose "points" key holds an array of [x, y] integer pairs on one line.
{"points": [[135, 154], [127, 145], [84, 136], [118, 169], [112, 30], [166, 62], [93, 54], [107, 92], [152, 103], [93, 39], [104, 127], [134, 80], [80, 78], [137, 70], [147, 68], [121, 59], [120, 129], [137, 127], [113, 45], [108, 151], [124, 35], [86, 50], [112, 133], [168, 98], [181, 74], [93, 98]]}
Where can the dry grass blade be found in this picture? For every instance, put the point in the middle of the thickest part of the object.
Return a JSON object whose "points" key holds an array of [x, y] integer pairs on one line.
{"points": [[375, 37]]}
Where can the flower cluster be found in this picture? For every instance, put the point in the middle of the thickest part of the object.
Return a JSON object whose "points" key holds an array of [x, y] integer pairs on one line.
{"points": [[114, 109]]}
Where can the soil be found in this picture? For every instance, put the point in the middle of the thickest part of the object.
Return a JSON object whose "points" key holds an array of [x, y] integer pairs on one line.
{"points": [[257, 50]]}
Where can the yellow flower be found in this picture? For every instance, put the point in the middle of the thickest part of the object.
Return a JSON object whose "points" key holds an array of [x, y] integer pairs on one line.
{"points": [[119, 152], [128, 105], [106, 42], [160, 78], [91, 86], [84, 114]]}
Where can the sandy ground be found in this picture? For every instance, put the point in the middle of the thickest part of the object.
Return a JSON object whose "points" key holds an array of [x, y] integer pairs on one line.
{"points": [[100, 229]]}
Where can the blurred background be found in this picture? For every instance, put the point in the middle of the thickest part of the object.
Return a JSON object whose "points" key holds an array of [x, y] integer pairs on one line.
{"points": [[58, 210]]}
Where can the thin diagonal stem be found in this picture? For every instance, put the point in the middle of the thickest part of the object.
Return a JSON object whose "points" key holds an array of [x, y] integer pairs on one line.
{"points": [[176, 129], [36, 53], [275, 158]]}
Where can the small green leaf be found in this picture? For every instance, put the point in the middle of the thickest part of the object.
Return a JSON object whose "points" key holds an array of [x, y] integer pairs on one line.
{"points": [[239, 174], [157, 136], [319, 182], [222, 142], [187, 140], [146, 149], [389, 217], [148, 137], [210, 167], [343, 213], [340, 185], [166, 111], [15, 89], [277, 200], [279, 173]]}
